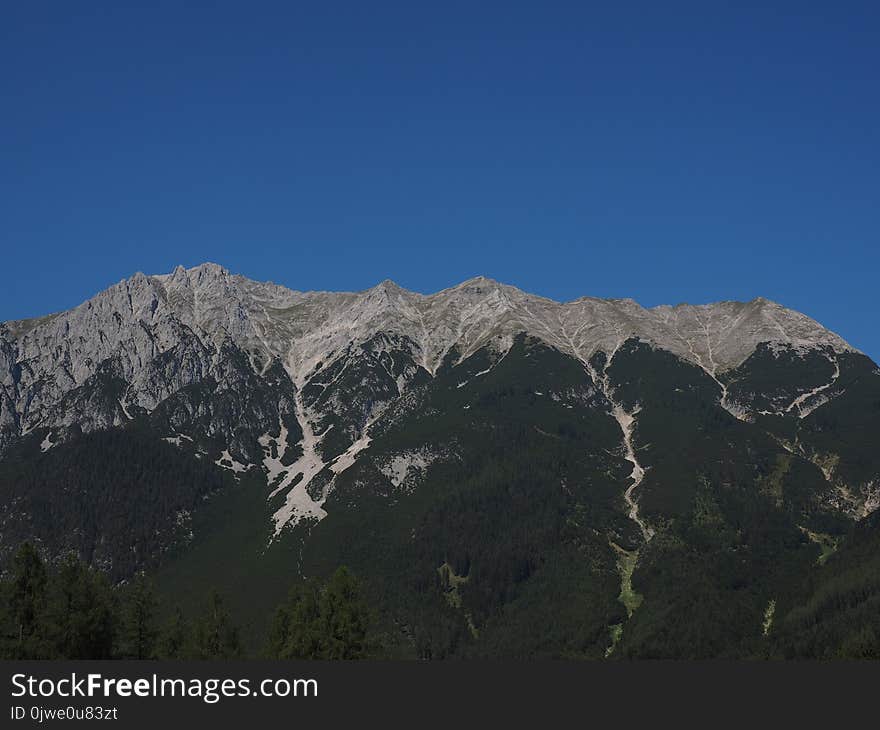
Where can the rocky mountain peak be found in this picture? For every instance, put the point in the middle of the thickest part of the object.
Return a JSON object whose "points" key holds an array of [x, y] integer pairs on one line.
{"points": [[189, 315]]}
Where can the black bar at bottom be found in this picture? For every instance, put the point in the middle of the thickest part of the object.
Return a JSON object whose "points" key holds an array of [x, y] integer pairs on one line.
{"points": [[130, 694]]}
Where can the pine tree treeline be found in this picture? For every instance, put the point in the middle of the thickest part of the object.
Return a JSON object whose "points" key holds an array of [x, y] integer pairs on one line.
{"points": [[72, 612]]}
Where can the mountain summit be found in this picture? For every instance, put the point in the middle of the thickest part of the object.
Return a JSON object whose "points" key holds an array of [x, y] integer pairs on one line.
{"points": [[144, 316]]}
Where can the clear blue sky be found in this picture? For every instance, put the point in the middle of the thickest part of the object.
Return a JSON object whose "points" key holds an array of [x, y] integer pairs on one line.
{"points": [[664, 151]]}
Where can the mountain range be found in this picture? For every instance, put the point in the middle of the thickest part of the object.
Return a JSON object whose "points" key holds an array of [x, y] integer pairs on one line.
{"points": [[510, 475]]}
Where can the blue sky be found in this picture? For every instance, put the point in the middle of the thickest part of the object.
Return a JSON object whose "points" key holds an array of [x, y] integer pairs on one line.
{"points": [[667, 152]]}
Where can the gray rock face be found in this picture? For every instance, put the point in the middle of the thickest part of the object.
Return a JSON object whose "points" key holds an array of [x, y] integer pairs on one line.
{"points": [[148, 338]]}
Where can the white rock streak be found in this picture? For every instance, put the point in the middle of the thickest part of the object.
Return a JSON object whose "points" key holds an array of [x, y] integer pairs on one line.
{"points": [[808, 402], [705, 357], [298, 503], [177, 439], [626, 420], [712, 370], [347, 458], [403, 467], [227, 462], [272, 464], [627, 423]]}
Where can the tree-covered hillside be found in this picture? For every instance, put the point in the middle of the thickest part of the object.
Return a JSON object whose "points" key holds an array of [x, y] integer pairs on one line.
{"points": [[488, 514]]}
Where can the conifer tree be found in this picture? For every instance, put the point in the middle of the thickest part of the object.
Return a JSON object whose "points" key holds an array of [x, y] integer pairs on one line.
{"points": [[82, 613], [345, 617], [139, 631], [174, 640], [27, 603], [215, 637]]}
